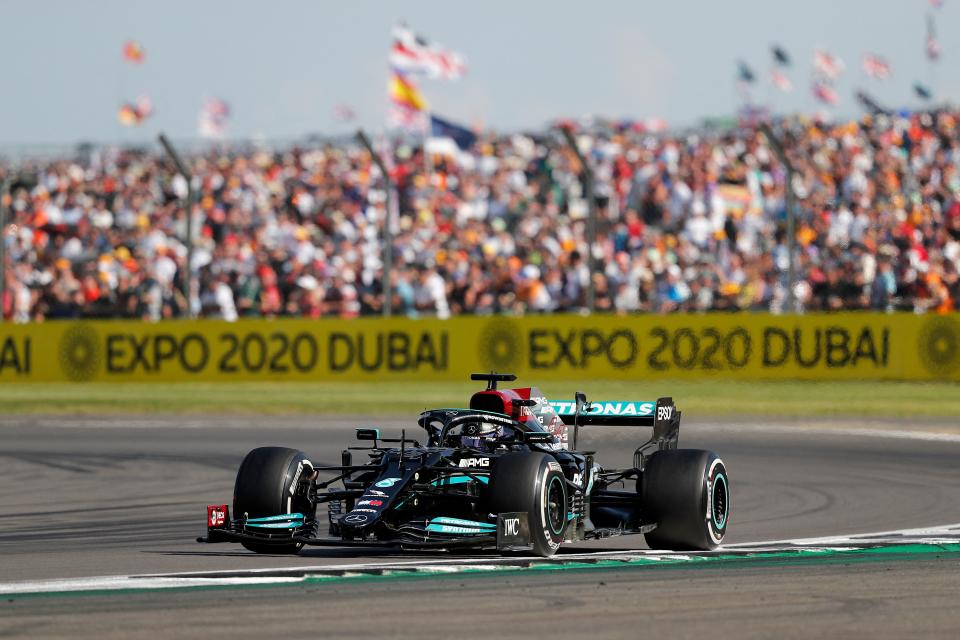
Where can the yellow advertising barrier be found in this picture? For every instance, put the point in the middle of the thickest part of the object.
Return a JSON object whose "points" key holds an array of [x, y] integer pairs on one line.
{"points": [[742, 346]]}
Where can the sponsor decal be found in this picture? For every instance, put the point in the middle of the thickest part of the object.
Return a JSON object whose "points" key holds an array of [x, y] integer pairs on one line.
{"points": [[463, 523], [282, 521], [444, 528], [456, 525], [511, 526], [355, 518], [474, 462], [939, 345], [664, 413], [372, 503], [606, 408], [578, 478], [296, 478], [554, 465], [393, 351], [80, 352], [387, 482], [15, 356], [363, 511], [500, 345], [216, 515], [374, 492]]}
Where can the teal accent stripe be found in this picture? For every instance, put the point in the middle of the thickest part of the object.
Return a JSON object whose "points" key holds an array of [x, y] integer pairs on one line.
{"points": [[284, 521], [462, 523], [458, 479], [283, 516]]}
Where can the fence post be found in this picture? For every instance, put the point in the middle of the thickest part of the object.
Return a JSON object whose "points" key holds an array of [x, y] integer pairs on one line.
{"points": [[191, 198], [387, 229], [781, 152], [587, 175], [3, 242]]}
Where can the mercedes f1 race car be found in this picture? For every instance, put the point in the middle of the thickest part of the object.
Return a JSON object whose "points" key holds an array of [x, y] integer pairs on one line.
{"points": [[496, 475]]}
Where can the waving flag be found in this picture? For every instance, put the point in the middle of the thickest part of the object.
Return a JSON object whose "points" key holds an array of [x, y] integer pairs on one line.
{"points": [[825, 93], [870, 104], [344, 113], [407, 119], [212, 120], [933, 45], [413, 54], [780, 56], [876, 67], [461, 135], [133, 114], [133, 52], [827, 64], [781, 81], [408, 108], [404, 92]]}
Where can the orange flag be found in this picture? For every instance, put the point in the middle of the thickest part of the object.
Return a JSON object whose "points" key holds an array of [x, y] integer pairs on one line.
{"points": [[133, 52]]}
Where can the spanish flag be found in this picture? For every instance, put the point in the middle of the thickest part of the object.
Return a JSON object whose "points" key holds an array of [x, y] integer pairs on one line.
{"points": [[404, 93]]}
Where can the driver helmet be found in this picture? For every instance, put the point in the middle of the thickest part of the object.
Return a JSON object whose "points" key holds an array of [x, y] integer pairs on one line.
{"points": [[475, 434]]}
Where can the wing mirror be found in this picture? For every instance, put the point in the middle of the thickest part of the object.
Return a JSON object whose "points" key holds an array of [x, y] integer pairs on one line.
{"points": [[368, 434]]}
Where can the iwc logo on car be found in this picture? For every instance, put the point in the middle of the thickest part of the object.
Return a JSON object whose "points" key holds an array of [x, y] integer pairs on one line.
{"points": [[501, 346], [939, 346], [79, 352]]}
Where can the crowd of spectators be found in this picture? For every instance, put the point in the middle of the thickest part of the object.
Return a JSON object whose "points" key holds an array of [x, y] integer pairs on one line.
{"points": [[687, 222]]}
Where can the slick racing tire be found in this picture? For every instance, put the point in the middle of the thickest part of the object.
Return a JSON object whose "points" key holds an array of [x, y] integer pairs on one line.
{"points": [[263, 489], [687, 493], [532, 482]]}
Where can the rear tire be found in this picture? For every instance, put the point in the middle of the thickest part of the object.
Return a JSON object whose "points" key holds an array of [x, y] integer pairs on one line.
{"points": [[533, 483], [687, 493], [262, 489]]}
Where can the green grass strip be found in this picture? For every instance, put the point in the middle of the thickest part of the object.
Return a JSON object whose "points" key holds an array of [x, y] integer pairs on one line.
{"points": [[707, 398]]}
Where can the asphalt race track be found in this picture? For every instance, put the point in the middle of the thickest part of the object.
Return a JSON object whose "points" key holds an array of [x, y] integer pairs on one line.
{"points": [[83, 497]]}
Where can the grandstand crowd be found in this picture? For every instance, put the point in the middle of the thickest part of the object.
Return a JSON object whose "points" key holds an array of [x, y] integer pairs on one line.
{"points": [[687, 222]]}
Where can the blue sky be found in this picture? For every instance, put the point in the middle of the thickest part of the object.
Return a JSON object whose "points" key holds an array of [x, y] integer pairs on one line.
{"points": [[284, 65]]}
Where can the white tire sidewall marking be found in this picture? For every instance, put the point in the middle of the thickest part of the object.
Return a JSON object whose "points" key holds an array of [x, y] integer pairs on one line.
{"points": [[710, 481], [544, 501]]}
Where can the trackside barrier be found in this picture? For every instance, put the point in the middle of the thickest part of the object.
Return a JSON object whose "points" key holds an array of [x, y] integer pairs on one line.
{"points": [[741, 346]]}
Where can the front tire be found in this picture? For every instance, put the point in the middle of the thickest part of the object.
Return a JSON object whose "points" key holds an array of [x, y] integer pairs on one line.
{"points": [[687, 493], [263, 488], [533, 483]]}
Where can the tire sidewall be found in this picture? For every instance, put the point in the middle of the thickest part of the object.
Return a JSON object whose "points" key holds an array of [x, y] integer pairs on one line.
{"points": [[521, 482], [678, 491], [263, 488], [286, 501], [551, 475]]}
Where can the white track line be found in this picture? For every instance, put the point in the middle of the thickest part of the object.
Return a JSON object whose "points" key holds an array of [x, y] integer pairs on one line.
{"points": [[927, 535], [819, 430]]}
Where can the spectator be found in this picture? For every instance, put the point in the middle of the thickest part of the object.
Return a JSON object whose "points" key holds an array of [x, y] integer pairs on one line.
{"points": [[687, 223]]}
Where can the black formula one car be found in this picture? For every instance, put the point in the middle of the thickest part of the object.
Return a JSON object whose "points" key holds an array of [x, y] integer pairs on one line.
{"points": [[497, 475]]}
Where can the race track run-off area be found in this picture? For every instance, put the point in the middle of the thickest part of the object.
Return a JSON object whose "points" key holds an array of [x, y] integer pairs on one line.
{"points": [[834, 524]]}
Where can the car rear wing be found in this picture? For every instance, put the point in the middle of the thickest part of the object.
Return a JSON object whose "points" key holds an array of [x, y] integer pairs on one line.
{"points": [[662, 415]]}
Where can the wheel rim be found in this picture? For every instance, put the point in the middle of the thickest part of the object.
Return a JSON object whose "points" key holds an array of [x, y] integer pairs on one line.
{"points": [[720, 501], [556, 505]]}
